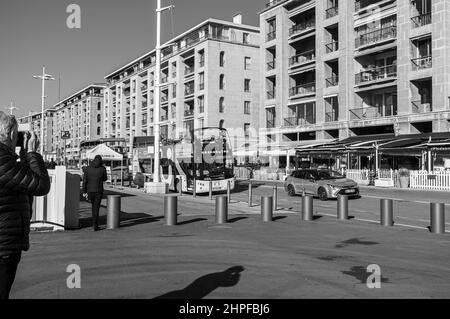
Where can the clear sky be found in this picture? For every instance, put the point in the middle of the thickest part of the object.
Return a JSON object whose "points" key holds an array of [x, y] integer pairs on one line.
{"points": [[34, 33]]}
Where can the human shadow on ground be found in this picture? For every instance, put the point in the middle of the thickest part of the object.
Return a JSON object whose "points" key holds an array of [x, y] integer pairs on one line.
{"points": [[205, 285]]}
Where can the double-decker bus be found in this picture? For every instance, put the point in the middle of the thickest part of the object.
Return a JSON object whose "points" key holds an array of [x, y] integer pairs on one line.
{"points": [[204, 157]]}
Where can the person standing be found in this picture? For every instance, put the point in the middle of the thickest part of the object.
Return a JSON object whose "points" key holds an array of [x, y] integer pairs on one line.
{"points": [[20, 180], [93, 178]]}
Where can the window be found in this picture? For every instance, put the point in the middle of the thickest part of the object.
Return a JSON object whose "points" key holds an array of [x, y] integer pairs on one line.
{"points": [[221, 105], [270, 117], [247, 85], [245, 38], [247, 107], [201, 58], [222, 82], [222, 58], [98, 118], [247, 63], [98, 130], [221, 123], [201, 104], [201, 123], [201, 79], [99, 106]]}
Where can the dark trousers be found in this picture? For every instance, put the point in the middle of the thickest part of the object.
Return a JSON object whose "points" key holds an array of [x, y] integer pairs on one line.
{"points": [[96, 200], [8, 268]]}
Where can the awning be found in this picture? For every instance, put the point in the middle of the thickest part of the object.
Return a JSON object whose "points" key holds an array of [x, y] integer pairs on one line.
{"points": [[105, 152]]}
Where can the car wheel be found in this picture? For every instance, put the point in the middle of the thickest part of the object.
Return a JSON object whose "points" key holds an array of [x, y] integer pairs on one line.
{"points": [[322, 194], [290, 190]]}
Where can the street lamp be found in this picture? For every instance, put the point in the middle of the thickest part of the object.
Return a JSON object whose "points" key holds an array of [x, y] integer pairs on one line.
{"points": [[44, 77]]}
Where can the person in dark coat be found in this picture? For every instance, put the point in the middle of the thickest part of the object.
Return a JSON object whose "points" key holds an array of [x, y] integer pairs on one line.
{"points": [[20, 180], [52, 164], [93, 178]]}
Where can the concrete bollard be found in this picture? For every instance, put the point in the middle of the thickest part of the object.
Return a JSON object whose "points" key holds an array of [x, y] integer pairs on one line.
{"points": [[210, 190], [171, 209], [386, 212], [342, 207], [113, 212], [250, 195], [267, 208], [307, 208], [437, 218], [221, 209], [275, 198]]}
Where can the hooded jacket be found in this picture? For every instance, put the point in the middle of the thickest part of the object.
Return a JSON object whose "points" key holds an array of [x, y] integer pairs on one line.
{"points": [[94, 176], [19, 182]]}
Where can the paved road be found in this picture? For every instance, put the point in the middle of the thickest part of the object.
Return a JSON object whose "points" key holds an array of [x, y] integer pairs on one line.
{"points": [[246, 258]]}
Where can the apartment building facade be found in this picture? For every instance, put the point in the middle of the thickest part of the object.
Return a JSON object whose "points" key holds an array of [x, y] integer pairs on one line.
{"points": [[80, 114], [334, 69], [34, 119], [209, 78]]}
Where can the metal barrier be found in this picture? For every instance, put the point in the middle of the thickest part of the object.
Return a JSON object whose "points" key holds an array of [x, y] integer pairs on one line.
{"points": [[437, 218], [342, 207], [171, 209], [386, 212], [113, 212], [267, 208], [307, 208], [221, 209], [250, 193], [275, 198]]}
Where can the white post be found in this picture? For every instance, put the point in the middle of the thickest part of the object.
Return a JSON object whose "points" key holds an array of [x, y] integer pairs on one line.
{"points": [[156, 126]]}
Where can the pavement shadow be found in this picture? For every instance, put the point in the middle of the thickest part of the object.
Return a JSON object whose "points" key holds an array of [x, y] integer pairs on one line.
{"points": [[236, 219], [278, 218], [203, 286], [315, 217], [126, 220], [242, 186], [195, 220]]}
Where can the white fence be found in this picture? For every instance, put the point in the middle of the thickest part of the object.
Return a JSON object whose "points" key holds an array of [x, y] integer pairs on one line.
{"points": [[437, 180], [361, 176]]}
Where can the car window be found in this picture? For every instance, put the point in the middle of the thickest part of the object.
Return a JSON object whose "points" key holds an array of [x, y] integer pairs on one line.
{"points": [[301, 174]]}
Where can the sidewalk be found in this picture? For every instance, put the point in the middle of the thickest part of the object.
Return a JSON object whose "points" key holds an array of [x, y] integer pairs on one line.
{"points": [[287, 258]]}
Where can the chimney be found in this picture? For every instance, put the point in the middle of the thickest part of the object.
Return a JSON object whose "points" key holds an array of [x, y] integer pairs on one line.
{"points": [[237, 18]]}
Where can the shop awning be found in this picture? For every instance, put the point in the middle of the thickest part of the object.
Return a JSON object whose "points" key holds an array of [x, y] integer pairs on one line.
{"points": [[105, 152]]}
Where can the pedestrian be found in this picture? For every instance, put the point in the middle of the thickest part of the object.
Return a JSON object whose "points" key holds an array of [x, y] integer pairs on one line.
{"points": [[20, 180], [52, 164], [93, 178]]}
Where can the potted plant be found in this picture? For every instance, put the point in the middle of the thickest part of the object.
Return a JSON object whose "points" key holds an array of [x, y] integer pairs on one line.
{"points": [[403, 174]]}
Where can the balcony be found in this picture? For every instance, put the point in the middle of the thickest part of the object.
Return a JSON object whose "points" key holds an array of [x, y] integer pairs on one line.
{"points": [[421, 20], [271, 95], [270, 123], [332, 81], [375, 36], [422, 63], [373, 112], [376, 74], [303, 89], [298, 121], [201, 86], [332, 47], [361, 4], [201, 63], [271, 65], [271, 36], [144, 88], [301, 27], [164, 99], [164, 79], [273, 3], [421, 107], [331, 12], [188, 113], [331, 116], [189, 89], [304, 57], [164, 117]]}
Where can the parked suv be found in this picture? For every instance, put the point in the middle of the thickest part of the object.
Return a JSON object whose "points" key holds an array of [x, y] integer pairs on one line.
{"points": [[322, 183]]}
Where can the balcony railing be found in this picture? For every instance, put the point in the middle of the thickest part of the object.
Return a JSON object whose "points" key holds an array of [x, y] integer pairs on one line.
{"points": [[271, 65], [164, 117], [303, 57], [331, 116], [298, 121], [271, 35], [422, 63], [144, 88], [164, 79], [421, 20], [375, 74], [189, 91], [271, 95], [421, 107], [302, 26], [331, 12], [361, 4], [332, 81], [201, 86], [376, 36], [307, 88], [164, 99], [188, 113], [332, 46], [201, 109], [272, 3], [373, 112]]}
